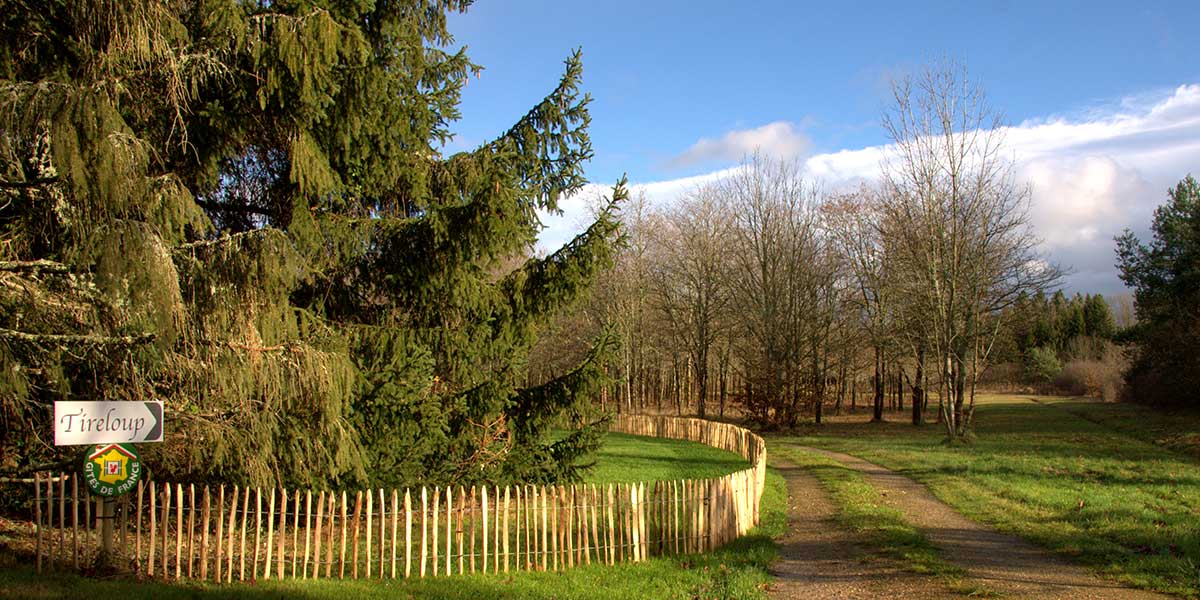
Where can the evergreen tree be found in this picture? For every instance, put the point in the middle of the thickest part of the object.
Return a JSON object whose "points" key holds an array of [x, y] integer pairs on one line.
{"points": [[1165, 277], [1098, 318], [240, 208]]}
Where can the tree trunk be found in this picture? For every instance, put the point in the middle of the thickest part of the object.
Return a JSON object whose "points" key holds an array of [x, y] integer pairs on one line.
{"points": [[818, 388], [854, 394], [918, 391], [837, 408], [945, 398], [878, 415], [960, 381], [724, 391], [677, 383]]}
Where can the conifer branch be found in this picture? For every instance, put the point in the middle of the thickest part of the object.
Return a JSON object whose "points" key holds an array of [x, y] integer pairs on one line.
{"points": [[221, 240], [21, 185], [249, 348], [84, 340], [18, 475], [33, 266], [233, 208]]}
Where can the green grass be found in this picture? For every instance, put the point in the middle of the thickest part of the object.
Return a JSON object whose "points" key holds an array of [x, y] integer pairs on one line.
{"points": [[627, 458], [737, 570], [1177, 430], [1108, 498]]}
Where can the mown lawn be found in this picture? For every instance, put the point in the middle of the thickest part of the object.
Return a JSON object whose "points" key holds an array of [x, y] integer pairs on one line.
{"points": [[627, 458], [738, 570], [1107, 497]]}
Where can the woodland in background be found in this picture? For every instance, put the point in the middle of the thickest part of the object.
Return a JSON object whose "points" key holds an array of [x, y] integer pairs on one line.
{"points": [[683, 296], [240, 208], [761, 293]]}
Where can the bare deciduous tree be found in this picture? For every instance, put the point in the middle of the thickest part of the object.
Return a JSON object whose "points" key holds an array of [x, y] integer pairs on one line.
{"points": [[957, 224], [690, 273]]}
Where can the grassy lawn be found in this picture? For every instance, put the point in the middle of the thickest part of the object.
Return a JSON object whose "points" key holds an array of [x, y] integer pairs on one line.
{"points": [[1105, 496], [1179, 430], [627, 458], [739, 570]]}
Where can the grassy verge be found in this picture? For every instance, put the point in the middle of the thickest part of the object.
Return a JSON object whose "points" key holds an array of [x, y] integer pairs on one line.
{"points": [[737, 571], [627, 458], [1109, 499], [884, 529]]}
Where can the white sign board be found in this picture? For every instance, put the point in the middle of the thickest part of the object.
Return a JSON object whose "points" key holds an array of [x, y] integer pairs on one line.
{"points": [[78, 423]]}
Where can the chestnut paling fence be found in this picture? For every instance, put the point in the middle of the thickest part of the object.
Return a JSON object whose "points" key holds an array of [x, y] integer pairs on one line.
{"points": [[228, 533]]}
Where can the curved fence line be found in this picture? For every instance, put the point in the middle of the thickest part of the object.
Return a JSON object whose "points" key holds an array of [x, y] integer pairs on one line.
{"points": [[742, 489], [185, 531]]}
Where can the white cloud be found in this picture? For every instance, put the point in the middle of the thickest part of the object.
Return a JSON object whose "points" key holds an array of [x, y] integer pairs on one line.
{"points": [[577, 210], [1091, 176], [778, 139], [575, 216]]}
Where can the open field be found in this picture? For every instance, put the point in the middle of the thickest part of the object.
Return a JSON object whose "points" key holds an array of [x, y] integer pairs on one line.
{"points": [[738, 570], [1106, 497]]}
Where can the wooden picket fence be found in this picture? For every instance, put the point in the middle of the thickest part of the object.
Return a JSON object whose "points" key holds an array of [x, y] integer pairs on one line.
{"points": [[176, 530]]}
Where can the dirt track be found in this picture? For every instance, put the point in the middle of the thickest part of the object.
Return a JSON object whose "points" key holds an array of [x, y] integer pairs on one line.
{"points": [[821, 560]]}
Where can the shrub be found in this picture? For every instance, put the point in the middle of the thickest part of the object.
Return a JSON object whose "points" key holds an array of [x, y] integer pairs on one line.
{"points": [[1006, 375], [1042, 364], [1098, 378]]}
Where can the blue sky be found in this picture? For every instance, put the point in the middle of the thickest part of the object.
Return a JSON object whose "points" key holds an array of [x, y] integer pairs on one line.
{"points": [[1102, 96]]}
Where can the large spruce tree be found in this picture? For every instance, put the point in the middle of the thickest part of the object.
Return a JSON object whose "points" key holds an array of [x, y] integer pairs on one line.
{"points": [[241, 208]]}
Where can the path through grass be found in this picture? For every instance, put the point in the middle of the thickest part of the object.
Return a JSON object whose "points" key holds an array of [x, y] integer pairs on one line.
{"points": [[862, 509], [1108, 498]]}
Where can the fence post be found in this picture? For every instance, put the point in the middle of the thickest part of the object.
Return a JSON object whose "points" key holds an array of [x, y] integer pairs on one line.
{"points": [[437, 505], [369, 535], [166, 515], [270, 531], [191, 528], [220, 530], [37, 509], [357, 515], [342, 554], [332, 498], [395, 523], [424, 527], [382, 531], [407, 534], [231, 532], [316, 568]]}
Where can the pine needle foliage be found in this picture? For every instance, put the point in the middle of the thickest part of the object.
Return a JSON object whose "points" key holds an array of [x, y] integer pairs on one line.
{"points": [[241, 208]]}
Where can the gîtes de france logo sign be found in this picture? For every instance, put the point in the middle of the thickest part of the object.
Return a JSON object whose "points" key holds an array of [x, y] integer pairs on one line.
{"points": [[112, 469]]}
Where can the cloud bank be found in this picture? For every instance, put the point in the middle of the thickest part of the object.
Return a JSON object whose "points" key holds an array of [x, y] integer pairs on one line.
{"points": [[1091, 177], [779, 139]]}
